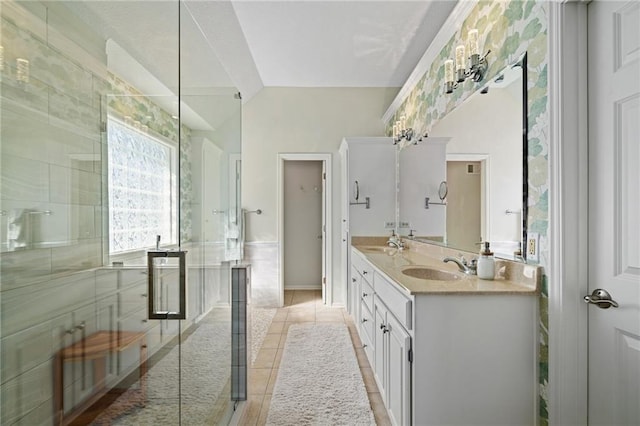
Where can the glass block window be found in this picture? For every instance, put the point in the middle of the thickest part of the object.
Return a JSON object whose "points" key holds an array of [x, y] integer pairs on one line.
{"points": [[142, 189]]}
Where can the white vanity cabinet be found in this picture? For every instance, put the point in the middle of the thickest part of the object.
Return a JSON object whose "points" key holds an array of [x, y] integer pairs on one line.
{"points": [[463, 358], [362, 293], [392, 363], [393, 355]]}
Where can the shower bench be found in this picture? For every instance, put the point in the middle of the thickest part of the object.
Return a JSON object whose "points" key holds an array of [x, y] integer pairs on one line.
{"points": [[95, 347]]}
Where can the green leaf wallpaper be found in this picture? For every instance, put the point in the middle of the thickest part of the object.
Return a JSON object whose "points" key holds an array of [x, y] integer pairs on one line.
{"points": [[508, 29]]}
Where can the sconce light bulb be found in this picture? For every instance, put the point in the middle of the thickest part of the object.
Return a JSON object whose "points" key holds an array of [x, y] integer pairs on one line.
{"points": [[460, 60], [472, 40], [448, 71]]}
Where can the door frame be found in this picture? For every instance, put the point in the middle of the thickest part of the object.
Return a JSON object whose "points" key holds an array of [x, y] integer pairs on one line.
{"points": [[325, 158], [485, 178], [568, 212]]}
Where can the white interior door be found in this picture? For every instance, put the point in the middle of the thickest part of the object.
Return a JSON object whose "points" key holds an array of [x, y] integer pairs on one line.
{"points": [[614, 211]]}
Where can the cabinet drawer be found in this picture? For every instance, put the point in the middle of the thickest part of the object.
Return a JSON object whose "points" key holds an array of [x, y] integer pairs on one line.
{"points": [[137, 321], [366, 322], [356, 261], [132, 299], [397, 303], [362, 266], [366, 294], [367, 345], [354, 294], [127, 277]]}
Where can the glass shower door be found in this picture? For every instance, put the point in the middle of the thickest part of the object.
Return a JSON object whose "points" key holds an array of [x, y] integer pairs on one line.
{"points": [[187, 375], [93, 168]]}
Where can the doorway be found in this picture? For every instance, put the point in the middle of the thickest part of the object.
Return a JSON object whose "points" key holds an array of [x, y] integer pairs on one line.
{"points": [[464, 204], [304, 191], [302, 225], [468, 183]]}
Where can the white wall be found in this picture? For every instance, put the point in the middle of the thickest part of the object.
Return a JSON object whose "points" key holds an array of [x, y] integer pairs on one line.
{"points": [[372, 162], [492, 124], [279, 120], [422, 169]]}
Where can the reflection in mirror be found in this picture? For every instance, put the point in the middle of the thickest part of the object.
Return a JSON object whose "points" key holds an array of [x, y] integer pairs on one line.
{"points": [[422, 169], [485, 167], [443, 190]]}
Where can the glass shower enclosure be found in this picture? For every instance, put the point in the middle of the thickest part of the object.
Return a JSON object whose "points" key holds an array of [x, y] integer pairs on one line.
{"points": [[120, 222]]}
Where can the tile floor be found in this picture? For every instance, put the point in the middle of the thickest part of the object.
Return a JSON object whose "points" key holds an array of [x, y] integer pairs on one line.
{"points": [[301, 306]]}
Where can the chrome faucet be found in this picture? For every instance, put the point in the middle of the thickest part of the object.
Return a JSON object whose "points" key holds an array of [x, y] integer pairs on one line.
{"points": [[395, 241], [468, 268]]}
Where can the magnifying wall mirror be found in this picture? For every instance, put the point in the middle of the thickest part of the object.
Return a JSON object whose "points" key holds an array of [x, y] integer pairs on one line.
{"points": [[443, 190]]}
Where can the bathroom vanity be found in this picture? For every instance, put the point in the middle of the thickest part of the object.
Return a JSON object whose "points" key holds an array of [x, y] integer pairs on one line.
{"points": [[446, 347]]}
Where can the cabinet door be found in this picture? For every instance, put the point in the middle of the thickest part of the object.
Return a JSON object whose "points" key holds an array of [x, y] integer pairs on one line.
{"points": [[379, 353], [399, 368], [354, 295], [107, 320]]}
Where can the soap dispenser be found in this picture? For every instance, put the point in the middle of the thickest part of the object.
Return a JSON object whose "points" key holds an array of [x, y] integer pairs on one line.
{"points": [[486, 263]]}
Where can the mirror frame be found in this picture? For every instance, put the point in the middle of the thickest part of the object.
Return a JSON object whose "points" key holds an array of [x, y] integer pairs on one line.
{"points": [[525, 155]]}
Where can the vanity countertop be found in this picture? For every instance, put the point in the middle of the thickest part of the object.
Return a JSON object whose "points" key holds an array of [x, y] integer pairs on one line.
{"points": [[511, 277]]}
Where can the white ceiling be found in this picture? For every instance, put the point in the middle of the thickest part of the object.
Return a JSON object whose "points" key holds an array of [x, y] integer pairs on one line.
{"points": [[251, 44], [338, 43]]}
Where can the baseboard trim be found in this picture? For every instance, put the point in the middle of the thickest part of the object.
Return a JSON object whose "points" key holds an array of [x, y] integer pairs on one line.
{"points": [[302, 287]]}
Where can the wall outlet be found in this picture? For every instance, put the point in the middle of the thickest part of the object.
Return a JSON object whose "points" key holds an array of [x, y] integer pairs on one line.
{"points": [[390, 225], [405, 225], [533, 246]]}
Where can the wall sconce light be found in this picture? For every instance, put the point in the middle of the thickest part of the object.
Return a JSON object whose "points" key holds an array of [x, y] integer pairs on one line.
{"points": [[400, 131], [477, 65], [22, 70]]}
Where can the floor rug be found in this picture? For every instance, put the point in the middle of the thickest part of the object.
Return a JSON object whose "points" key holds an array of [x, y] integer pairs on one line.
{"points": [[319, 381], [205, 376]]}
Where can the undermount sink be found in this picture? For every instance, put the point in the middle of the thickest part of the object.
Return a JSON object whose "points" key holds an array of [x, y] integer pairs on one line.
{"points": [[378, 249], [430, 274]]}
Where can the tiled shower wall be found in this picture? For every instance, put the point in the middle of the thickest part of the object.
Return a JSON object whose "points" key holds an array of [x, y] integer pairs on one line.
{"points": [[508, 29], [53, 153]]}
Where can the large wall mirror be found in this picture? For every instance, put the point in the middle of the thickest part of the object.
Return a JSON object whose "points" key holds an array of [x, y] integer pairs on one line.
{"points": [[485, 170]]}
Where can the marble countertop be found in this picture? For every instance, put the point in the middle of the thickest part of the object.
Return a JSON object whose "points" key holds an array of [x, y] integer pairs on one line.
{"points": [[511, 277]]}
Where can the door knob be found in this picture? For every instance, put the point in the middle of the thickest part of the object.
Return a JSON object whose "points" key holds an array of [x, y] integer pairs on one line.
{"points": [[601, 298]]}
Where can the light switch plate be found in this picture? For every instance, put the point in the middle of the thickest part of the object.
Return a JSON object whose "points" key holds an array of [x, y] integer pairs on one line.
{"points": [[533, 247], [405, 225], [390, 225]]}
